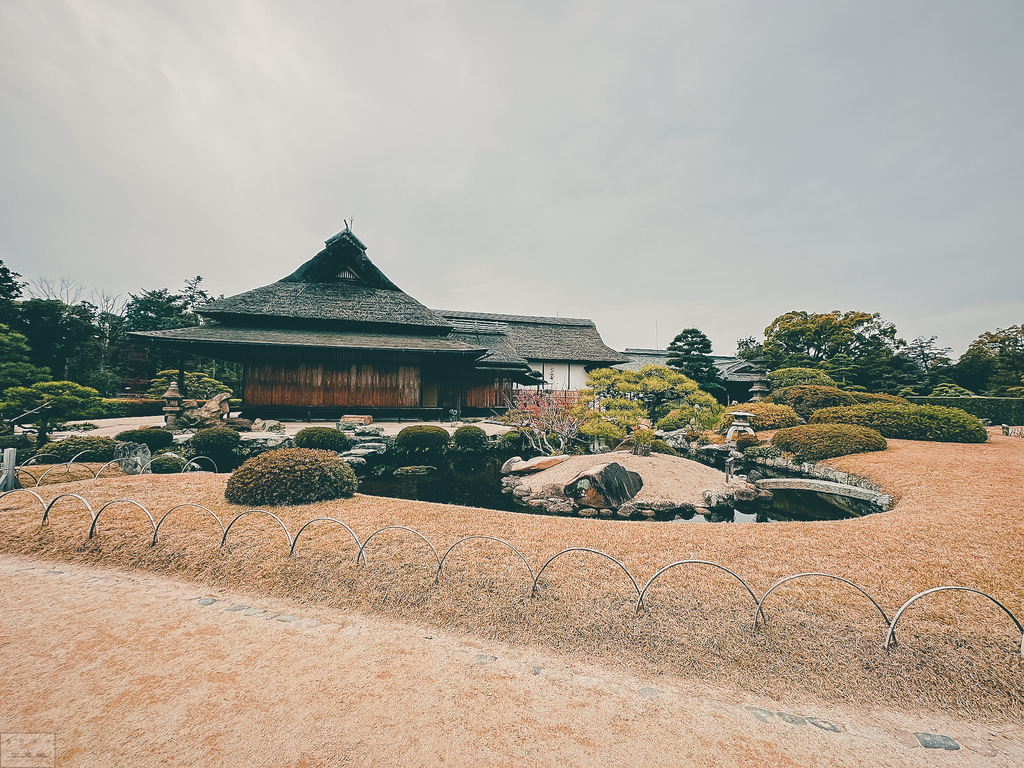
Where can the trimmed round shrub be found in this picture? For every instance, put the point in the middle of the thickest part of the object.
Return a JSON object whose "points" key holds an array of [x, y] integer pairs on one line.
{"points": [[218, 443], [154, 438], [323, 438], [166, 465], [101, 449], [291, 476], [766, 415], [746, 440], [422, 437], [796, 377], [805, 399], [471, 439], [814, 442], [909, 422]]}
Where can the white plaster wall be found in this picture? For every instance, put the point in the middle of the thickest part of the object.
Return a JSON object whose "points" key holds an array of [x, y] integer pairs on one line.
{"points": [[559, 375]]}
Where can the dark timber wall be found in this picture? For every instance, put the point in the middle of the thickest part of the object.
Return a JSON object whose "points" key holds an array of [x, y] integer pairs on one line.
{"points": [[333, 385]]}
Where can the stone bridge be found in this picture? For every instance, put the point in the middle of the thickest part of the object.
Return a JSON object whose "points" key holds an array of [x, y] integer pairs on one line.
{"points": [[827, 487]]}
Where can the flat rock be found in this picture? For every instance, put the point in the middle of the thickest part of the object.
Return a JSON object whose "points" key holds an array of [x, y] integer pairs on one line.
{"points": [[416, 470], [533, 465], [936, 741]]}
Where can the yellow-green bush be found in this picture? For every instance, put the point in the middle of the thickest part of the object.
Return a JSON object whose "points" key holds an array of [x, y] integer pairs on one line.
{"points": [[291, 476], [814, 442], [909, 422], [878, 397], [766, 415], [805, 399], [794, 377]]}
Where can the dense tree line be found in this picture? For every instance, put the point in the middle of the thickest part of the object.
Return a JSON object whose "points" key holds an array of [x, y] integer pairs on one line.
{"points": [[53, 334]]}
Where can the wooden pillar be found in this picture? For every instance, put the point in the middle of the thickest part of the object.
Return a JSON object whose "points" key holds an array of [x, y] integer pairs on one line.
{"points": [[181, 374]]}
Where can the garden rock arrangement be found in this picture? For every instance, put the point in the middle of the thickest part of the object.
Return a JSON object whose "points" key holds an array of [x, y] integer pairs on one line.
{"points": [[621, 485]]}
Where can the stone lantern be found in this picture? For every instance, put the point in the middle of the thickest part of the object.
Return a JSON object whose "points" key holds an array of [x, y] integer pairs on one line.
{"points": [[173, 408]]}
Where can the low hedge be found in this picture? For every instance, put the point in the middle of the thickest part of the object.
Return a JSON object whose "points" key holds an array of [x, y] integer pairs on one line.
{"points": [[814, 442], [471, 439], [805, 399], [422, 437], [766, 415], [998, 410], [909, 422], [878, 397], [660, 446], [120, 408], [101, 449], [154, 438], [291, 476], [323, 438]]}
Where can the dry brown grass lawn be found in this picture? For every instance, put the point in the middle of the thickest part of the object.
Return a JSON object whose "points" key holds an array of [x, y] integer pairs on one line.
{"points": [[959, 520]]}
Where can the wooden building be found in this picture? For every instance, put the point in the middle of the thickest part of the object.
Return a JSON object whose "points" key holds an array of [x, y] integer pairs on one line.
{"points": [[338, 336]]}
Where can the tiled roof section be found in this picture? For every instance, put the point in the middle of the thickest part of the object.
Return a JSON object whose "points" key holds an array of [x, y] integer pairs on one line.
{"points": [[541, 338], [222, 334], [342, 301]]}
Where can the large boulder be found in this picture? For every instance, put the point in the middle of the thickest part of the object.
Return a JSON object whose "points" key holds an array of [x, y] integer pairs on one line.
{"points": [[132, 458], [605, 486], [210, 414]]}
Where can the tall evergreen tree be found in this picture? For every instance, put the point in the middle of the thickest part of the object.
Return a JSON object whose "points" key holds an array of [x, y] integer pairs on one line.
{"points": [[690, 353]]}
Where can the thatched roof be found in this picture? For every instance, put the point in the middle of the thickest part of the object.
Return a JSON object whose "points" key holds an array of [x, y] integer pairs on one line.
{"points": [[320, 339], [338, 287], [524, 337]]}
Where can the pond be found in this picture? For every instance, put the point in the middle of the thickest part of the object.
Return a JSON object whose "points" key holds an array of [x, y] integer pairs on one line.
{"points": [[476, 482]]}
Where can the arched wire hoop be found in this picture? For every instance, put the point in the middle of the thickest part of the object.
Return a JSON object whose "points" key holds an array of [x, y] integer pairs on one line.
{"points": [[640, 600], [284, 527], [165, 453], [75, 458], [362, 557], [26, 490], [890, 636], [100, 470], [196, 459], [67, 467], [759, 611], [187, 504], [55, 499], [23, 471], [323, 519], [440, 565], [605, 555], [96, 517], [28, 462]]}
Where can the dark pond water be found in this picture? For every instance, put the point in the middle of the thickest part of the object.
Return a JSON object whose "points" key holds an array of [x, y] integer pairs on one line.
{"points": [[476, 482]]}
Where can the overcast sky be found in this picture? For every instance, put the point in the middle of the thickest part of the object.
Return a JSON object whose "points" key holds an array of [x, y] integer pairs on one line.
{"points": [[652, 166]]}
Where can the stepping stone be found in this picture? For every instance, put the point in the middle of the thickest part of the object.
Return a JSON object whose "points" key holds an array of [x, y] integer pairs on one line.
{"points": [[936, 741], [253, 611], [649, 692], [286, 617], [237, 608], [207, 600], [764, 715], [270, 615], [535, 671], [825, 725], [483, 658], [792, 719]]}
